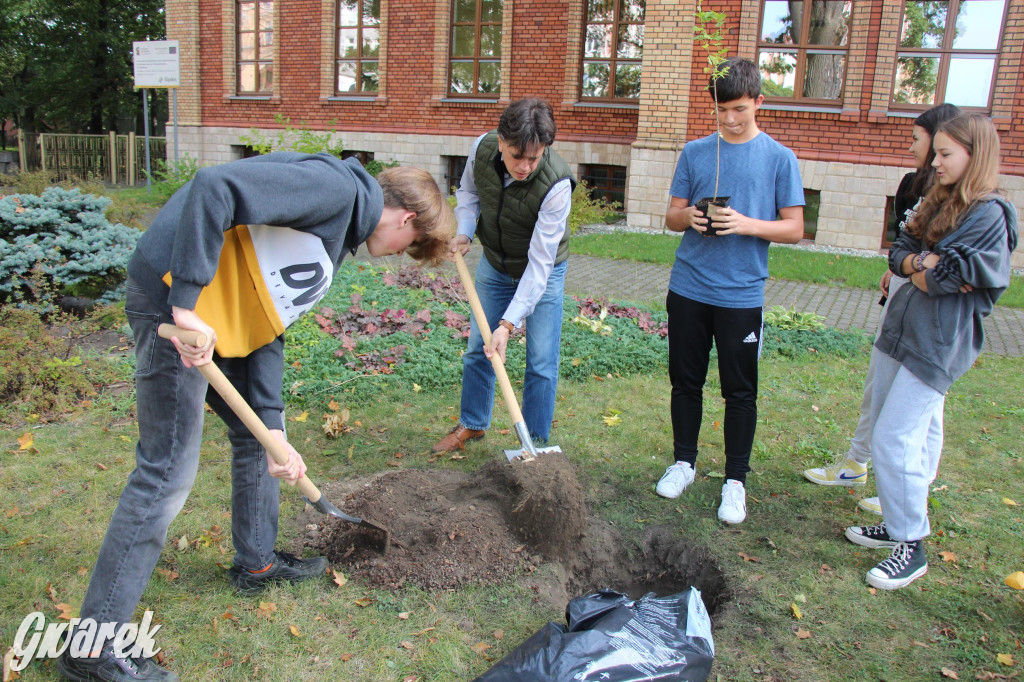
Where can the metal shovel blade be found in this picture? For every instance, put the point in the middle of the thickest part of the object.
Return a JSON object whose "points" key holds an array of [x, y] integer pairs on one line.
{"points": [[325, 506], [526, 456]]}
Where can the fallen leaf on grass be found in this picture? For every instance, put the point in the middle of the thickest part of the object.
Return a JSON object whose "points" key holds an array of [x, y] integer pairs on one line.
{"points": [[612, 417], [265, 609], [803, 634], [480, 648], [301, 418], [9, 674], [25, 442], [1008, 502], [100, 466], [294, 630], [407, 645], [796, 611], [1005, 659], [1015, 580], [416, 387], [66, 612], [404, 615], [345, 658], [499, 635], [749, 557], [12, 512], [364, 602], [168, 574], [872, 590], [947, 556], [182, 543], [51, 593], [339, 578], [82, 570], [333, 405], [410, 678], [951, 674]]}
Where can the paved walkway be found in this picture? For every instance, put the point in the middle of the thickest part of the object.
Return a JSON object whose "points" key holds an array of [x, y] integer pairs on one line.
{"points": [[842, 308]]}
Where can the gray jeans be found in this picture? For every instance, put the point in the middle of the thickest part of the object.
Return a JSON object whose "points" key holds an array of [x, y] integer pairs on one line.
{"points": [[169, 400]]}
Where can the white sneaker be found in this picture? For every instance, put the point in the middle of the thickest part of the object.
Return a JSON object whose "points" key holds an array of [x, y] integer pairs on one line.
{"points": [[871, 504], [734, 502], [675, 480], [844, 472]]}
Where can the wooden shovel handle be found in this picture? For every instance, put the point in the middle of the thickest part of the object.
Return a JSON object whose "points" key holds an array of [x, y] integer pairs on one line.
{"points": [[485, 332], [238, 405]]}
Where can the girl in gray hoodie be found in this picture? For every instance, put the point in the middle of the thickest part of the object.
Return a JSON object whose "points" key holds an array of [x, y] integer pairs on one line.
{"points": [[956, 253]]}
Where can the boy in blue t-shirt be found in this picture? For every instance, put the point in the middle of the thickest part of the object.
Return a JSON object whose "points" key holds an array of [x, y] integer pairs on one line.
{"points": [[716, 291]]}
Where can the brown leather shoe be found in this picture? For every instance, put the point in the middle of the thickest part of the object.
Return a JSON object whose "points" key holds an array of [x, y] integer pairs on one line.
{"points": [[456, 439]]}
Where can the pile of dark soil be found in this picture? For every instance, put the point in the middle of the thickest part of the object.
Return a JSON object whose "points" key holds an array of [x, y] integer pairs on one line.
{"points": [[451, 528]]}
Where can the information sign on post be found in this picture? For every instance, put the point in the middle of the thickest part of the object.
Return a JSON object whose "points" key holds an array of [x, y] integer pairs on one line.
{"points": [[157, 64]]}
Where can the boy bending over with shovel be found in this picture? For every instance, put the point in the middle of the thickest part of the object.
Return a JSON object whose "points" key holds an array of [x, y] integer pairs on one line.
{"points": [[248, 247]]}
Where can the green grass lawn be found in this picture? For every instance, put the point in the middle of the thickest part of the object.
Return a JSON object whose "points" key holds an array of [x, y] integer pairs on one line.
{"points": [[58, 497], [799, 265]]}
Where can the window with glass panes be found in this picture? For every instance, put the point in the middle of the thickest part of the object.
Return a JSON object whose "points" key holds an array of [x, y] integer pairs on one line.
{"points": [[455, 167], [613, 49], [475, 59], [358, 46], [948, 53], [605, 182], [802, 50], [255, 40]]}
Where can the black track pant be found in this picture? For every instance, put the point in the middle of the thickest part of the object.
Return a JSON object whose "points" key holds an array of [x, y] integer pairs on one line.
{"points": [[736, 332]]}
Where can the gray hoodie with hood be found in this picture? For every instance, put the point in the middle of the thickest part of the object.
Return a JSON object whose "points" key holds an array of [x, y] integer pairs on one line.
{"points": [[335, 201], [938, 334]]}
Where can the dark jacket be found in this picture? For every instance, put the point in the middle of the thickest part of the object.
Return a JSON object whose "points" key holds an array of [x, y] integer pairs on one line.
{"points": [[508, 214]]}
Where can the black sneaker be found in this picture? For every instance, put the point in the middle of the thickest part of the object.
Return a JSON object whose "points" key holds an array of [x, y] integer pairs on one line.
{"points": [[907, 564], [107, 666], [870, 536], [286, 568]]}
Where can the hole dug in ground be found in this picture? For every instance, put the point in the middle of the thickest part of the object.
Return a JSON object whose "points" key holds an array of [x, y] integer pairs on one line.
{"points": [[454, 528]]}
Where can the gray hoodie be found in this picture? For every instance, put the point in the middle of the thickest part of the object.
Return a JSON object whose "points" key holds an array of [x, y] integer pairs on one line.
{"points": [[331, 206], [938, 335]]}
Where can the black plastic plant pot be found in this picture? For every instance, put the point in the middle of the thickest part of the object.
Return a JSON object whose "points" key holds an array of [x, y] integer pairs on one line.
{"points": [[702, 206]]}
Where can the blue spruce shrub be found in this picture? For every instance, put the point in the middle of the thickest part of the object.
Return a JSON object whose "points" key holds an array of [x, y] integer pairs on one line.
{"points": [[61, 244]]}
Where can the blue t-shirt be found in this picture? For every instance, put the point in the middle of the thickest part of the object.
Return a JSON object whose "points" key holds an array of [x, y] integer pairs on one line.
{"points": [[760, 177]]}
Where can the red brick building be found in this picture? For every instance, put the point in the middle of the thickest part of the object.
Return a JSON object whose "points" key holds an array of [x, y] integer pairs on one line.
{"points": [[415, 80]]}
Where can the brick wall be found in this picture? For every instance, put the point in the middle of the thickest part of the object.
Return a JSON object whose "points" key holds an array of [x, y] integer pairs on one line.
{"points": [[860, 145]]}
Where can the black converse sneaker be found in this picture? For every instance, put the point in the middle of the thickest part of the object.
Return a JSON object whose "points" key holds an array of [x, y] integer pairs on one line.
{"points": [[285, 568], [907, 564], [870, 536]]}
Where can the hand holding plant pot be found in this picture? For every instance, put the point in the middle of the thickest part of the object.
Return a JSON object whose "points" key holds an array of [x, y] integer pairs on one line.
{"points": [[709, 208]]}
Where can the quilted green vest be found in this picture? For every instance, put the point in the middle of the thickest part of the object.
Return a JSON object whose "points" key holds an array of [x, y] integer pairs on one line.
{"points": [[508, 214]]}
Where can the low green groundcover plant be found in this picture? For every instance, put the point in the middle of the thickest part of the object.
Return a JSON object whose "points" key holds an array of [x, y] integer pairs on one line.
{"points": [[60, 243], [379, 329]]}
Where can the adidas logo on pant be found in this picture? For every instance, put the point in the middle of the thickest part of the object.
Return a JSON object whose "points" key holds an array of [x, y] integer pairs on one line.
{"points": [[751, 338]]}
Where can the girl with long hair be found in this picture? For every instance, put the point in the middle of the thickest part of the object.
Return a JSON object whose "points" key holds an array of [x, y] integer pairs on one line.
{"points": [[851, 469], [956, 254]]}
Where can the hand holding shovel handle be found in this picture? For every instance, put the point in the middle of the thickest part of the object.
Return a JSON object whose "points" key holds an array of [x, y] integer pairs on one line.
{"points": [[529, 451], [240, 407]]}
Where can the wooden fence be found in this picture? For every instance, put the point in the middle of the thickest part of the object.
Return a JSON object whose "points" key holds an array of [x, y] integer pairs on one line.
{"points": [[111, 158]]}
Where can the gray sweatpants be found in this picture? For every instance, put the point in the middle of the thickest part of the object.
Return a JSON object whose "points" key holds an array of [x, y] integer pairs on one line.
{"points": [[860, 444], [903, 410]]}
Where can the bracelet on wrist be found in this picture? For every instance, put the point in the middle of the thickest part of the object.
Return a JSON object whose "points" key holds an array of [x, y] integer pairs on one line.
{"points": [[507, 325], [918, 261]]}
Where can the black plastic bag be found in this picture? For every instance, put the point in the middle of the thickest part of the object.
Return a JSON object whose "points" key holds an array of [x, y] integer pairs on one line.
{"points": [[611, 638]]}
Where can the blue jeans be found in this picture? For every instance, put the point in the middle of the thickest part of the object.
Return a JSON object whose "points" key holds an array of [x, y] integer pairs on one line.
{"points": [[169, 402], [543, 341]]}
